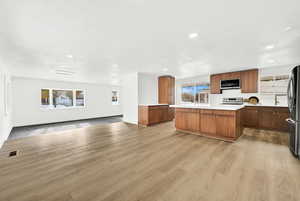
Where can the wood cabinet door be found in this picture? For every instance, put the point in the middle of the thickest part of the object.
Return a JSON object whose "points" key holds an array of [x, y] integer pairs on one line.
{"points": [[280, 122], [166, 90], [250, 117], [230, 76], [171, 114], [187, 119], [171, 92], [163, 88], [154, 116], [226, 125], [249, 81], [215, 84], [207, 122], [267, 119]]}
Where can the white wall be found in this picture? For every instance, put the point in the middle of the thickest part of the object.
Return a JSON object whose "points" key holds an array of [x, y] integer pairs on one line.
{"points": [[147, 88], [26, 102], [129, 94], [5, 117]]}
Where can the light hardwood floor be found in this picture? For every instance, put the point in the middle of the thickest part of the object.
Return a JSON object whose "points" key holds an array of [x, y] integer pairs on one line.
{"points": [[122, 162]]}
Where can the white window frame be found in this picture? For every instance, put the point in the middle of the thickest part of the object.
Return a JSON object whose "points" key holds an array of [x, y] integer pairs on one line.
{"points": [[51, 107], [118, 96], [194, 85]]}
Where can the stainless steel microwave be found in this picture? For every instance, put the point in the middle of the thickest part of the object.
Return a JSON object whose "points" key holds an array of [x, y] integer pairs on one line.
{"points": [[230, 84]]}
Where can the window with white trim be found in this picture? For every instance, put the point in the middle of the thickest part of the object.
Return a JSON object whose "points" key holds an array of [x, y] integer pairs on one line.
{"points": [[62, 98], [115, 97], [195, 93]]}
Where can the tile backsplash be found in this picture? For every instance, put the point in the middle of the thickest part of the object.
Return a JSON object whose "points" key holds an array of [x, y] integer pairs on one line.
{"points": [[266, 99]]}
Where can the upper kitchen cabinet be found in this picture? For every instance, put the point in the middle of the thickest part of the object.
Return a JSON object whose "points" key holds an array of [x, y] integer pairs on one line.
{"points": [[166, 90], [249, 81], [215, 83], [231, 76]]}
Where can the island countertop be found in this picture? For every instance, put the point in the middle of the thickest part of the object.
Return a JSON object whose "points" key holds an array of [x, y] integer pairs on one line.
{"points": [[210, 107], [152, 104]]}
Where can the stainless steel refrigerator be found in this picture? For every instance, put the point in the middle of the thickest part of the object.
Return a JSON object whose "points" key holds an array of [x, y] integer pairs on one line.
{"points": [[294, 108]]}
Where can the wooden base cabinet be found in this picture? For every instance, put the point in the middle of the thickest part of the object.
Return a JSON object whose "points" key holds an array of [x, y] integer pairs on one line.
{"points": [[218, 124], [187, 119], [208, 122], [250, 117], [270, 118], [226, 122], [149, 115]]}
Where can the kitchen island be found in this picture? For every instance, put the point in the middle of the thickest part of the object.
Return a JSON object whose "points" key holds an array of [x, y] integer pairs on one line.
{"points": [[219, 122]]}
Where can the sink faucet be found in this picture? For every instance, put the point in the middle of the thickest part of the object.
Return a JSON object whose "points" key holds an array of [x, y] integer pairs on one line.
{"points": [[276, 98]]}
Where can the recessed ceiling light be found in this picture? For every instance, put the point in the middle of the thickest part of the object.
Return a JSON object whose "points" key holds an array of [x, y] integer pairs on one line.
{"points": [[193, 35], [269, 47], [165, 69], [70, 56], [287, 28]]}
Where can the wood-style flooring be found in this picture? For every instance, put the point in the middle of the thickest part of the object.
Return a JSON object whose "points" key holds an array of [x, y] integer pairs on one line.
{"points": [[126, 163]]}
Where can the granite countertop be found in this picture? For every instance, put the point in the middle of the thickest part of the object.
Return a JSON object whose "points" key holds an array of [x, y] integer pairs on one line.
{"points": [[210, 107]]}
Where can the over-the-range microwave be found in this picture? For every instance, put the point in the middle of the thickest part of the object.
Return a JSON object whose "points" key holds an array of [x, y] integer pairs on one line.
{"points": [[230, 84]]}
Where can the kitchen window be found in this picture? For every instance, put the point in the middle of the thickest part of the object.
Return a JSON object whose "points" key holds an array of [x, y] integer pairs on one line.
{"points": [[195, 93], [61, 98]]}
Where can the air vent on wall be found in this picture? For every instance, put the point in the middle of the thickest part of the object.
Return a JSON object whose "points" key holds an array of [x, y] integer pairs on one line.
{"points": [[64, 72]]}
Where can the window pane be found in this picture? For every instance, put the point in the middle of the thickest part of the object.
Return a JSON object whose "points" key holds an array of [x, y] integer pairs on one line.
{"points": [[45, 97], [188, 94], [79, 98], [62, 98], [114, 97], [202, 91]]}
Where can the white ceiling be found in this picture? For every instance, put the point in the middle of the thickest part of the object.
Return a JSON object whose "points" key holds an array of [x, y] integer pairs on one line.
{"points": [[100, 40]]}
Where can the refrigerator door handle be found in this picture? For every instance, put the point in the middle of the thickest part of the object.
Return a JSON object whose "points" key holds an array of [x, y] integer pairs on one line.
{"points": [[291, 121], [288, 95]]}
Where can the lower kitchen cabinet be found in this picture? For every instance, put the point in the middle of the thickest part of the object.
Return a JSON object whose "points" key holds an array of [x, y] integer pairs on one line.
{"points": [[208, 122], [226, 121], [250, 117], [187, 119], [153, 114], [171, 113], [266, 119], [270, 118], [280, 123]]}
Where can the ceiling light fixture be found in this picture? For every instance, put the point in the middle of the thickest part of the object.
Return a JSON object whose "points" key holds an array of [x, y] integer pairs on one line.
{"points": [[269, 47], [165, 69], [70, 56], [193, 35], [271, 61]]}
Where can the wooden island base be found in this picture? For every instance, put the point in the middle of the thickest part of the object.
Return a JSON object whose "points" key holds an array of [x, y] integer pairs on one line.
{"points": [[218, 124]]}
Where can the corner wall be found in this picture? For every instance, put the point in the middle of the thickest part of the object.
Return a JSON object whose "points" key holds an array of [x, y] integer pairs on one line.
{"points": [[5, 99], [129, 94], [26, 102], [148, 88]]}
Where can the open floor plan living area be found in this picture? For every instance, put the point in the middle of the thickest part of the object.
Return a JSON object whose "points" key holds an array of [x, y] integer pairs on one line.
{"points": [[139, 100]]}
